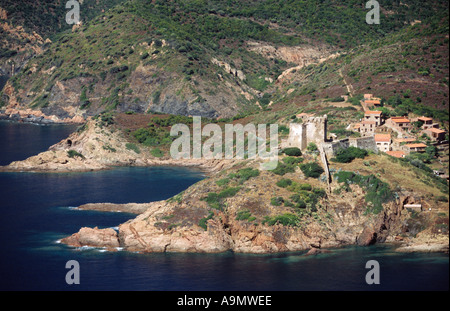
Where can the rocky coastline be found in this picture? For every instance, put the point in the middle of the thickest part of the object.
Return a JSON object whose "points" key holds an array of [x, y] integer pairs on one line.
{"points": [[37, 117], [188, 223]]}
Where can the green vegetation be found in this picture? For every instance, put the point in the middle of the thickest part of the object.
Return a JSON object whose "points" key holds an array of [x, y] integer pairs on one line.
{"points": [[215, 200], [246, 173], [312, 169], [402, 106], [245, 215], [133, 147], [286, 219], [292, 151], [284, 182], [156, 152], [73, 153], [312, 147], [347, 155], [276, 201], [204, 221], [377, 191]]}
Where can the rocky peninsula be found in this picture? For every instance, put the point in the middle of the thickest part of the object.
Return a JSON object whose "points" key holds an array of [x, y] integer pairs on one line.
{"points": [[238, 207]]}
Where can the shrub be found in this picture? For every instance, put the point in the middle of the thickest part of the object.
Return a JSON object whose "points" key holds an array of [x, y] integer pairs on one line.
{"points": [[131, 146], [203, 222], [283, 130], [312, 147], [244, 215], [349, 154], [157, 153], [215, 200], [312, 169], [276, 201], [292, 151], [282, 169], [222, 182], [283, 183], [286, 219], [292, 160], [228, 192], [74, 153], [247, 173], [299, 202]]}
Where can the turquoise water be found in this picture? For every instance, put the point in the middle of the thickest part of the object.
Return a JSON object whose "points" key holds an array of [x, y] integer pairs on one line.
{"points": [[37, 211]]}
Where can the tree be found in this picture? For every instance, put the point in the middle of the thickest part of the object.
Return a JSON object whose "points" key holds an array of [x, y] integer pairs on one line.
{"points": [[312, 147], [432, 151], [312, 169]]}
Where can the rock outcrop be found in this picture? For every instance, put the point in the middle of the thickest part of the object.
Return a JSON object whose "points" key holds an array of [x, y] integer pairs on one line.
{"points": [[187, 223], [106, 238]]}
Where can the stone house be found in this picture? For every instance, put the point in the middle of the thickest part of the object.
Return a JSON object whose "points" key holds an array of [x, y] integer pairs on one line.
{"points": [[417, 147], [435, 134], [375, 116], [383, 142], [398, 143], [400, 123], [367, 128]]}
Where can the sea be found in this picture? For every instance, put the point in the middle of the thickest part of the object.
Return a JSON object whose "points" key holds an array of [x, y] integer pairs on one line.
{"points": [[38, 209]]}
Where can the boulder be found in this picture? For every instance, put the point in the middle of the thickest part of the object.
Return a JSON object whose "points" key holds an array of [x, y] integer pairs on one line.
{"points": [[94, 237]]}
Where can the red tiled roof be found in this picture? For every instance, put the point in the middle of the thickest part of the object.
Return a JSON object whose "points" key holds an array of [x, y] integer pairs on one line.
{"points": [[425, 119], [404, 140], [435, 130], [419, 145], [372, 112], [397, 154], [383, 137], [400, 120]]}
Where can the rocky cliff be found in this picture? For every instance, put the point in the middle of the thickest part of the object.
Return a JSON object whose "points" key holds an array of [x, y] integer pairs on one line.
{"points": [[248, 221]]}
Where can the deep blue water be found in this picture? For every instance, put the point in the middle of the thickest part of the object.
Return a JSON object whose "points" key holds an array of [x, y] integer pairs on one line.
{"points": [[35, 212]]}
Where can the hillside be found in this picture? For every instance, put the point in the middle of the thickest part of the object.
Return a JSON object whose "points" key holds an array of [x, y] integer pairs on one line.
{"points": [[28, 27], [408, 69], [223, 58]]}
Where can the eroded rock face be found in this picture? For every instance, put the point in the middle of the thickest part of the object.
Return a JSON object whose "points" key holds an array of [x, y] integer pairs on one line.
{"points": [[175, 225], [94, 237]]}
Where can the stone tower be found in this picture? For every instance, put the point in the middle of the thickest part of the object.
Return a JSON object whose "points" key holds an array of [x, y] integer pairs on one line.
{"points": [[313, 129]]}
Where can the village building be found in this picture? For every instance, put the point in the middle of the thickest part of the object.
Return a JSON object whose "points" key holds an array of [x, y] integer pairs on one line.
{"points": [[398, 143], [435, 134], [369, 100], [373, 102], [426, 122], [401, 123], [375, 116], [417, 147], [367, 128], [383, 142]]}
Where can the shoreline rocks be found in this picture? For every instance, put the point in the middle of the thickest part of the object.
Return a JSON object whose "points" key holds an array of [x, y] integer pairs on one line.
{"points": [[94, 237]]}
